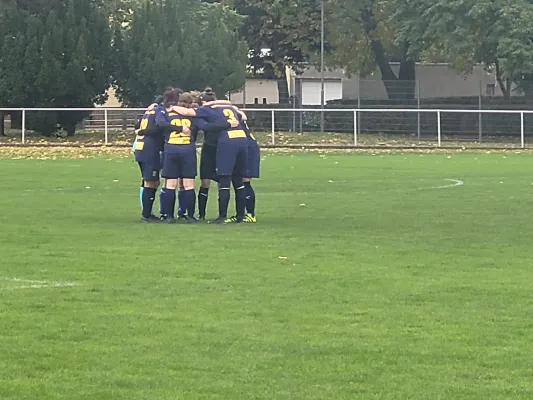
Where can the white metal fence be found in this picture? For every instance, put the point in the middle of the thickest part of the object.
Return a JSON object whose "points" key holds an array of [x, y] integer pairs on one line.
{"points": [[423, 126]]}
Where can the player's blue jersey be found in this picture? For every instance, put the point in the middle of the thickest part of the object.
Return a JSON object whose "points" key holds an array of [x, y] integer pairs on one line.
{"points": [[219, 113], [146, 146], [176, 141], [249, 134]]}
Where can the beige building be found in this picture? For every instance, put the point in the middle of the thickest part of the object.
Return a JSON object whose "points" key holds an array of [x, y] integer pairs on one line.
{"points": [[257, 91], [432, 81]]}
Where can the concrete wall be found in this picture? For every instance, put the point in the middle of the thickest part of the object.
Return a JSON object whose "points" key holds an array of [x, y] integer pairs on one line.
{"points": [[433, 81]]}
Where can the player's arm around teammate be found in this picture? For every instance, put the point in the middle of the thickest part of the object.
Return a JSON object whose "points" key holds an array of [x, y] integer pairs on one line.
{"points": [[231, 157]]}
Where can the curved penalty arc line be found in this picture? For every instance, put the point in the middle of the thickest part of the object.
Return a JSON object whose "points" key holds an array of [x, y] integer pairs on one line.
{"points": [[454, 183]]}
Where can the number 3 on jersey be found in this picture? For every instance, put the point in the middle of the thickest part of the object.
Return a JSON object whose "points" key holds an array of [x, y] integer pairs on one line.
{"points": [[233, 133], [230, 114]]}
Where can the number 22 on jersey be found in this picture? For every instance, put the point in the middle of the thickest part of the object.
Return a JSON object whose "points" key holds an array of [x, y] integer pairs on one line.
{"points": [[177, 137]]}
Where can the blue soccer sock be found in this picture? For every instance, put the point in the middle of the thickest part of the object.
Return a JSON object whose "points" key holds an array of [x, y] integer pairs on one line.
{"points": [[169, 203], [250, 198], [223, 202], [161, 200], [202, 201], [182, 202], [190, 201], [148, 201], [240, 201], [240, 196]]}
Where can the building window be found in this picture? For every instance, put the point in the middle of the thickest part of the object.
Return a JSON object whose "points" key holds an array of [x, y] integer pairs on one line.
{"points": [[490, 89], [264, 100], [256, 100]]}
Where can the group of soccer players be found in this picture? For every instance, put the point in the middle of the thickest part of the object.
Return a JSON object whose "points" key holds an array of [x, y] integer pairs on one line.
{"points": [[165, 145]]}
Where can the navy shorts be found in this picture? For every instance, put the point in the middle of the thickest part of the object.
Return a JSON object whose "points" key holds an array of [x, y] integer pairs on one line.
{"points": [[180, 164], [208, 162], [232, 158], [149, 170], [254, 160]]}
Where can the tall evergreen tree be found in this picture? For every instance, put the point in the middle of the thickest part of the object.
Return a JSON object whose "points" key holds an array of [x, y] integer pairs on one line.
{"points": [[54, 55], [178, 43]]}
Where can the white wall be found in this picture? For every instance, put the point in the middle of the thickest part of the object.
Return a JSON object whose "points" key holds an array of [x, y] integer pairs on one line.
{"points": [[311, 91], [433, 80], [260, 90]]}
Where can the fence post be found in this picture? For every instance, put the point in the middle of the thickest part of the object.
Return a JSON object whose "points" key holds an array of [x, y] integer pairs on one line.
{"points": [[105, 127], [293, 113], [355, 128], [124, 121], [480, 117], [23, 126], [358, 99], [522, 138], [418, 104], [438, 129], [273, 133]]}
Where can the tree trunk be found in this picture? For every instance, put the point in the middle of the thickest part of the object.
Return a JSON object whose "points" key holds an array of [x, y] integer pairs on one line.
{"points": [[506, 89], [2, 127], [283, 90], [407, 78], [401, 87]]}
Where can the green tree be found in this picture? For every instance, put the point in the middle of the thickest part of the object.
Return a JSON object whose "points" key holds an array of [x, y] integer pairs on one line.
{"points": [[178, 43], [119, 12], [289, 29], [496, 33], [54, 56], [364, 35]]}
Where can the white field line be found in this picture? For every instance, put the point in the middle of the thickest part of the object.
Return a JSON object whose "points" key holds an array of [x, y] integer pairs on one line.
{"points": [[455, 182], [35, 284]]}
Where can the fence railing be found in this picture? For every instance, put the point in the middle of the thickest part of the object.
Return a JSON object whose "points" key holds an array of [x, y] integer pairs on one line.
{"points": [[346, 127]]}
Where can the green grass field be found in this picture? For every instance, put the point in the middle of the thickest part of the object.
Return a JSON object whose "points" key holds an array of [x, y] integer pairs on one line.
{"points": [[367, 277]]}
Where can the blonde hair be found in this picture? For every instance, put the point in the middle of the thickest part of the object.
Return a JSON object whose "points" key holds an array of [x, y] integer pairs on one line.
{"points": [[185, 99]]}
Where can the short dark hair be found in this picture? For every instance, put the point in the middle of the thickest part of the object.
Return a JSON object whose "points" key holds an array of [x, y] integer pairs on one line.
{"points": [[208, 95], [170, 97]]}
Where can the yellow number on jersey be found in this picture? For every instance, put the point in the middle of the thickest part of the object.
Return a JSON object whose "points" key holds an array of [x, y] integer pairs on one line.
{"points": [[233, 133], [179, 138], [230, 114], [139, 143], [181, 122], [144, 123]]}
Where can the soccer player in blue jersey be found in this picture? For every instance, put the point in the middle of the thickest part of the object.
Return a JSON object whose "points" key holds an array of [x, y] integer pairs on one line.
{"points": [[208, 155], [180, 157], [252, 171], [253, 164], [231, 156], [148, 143]]}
